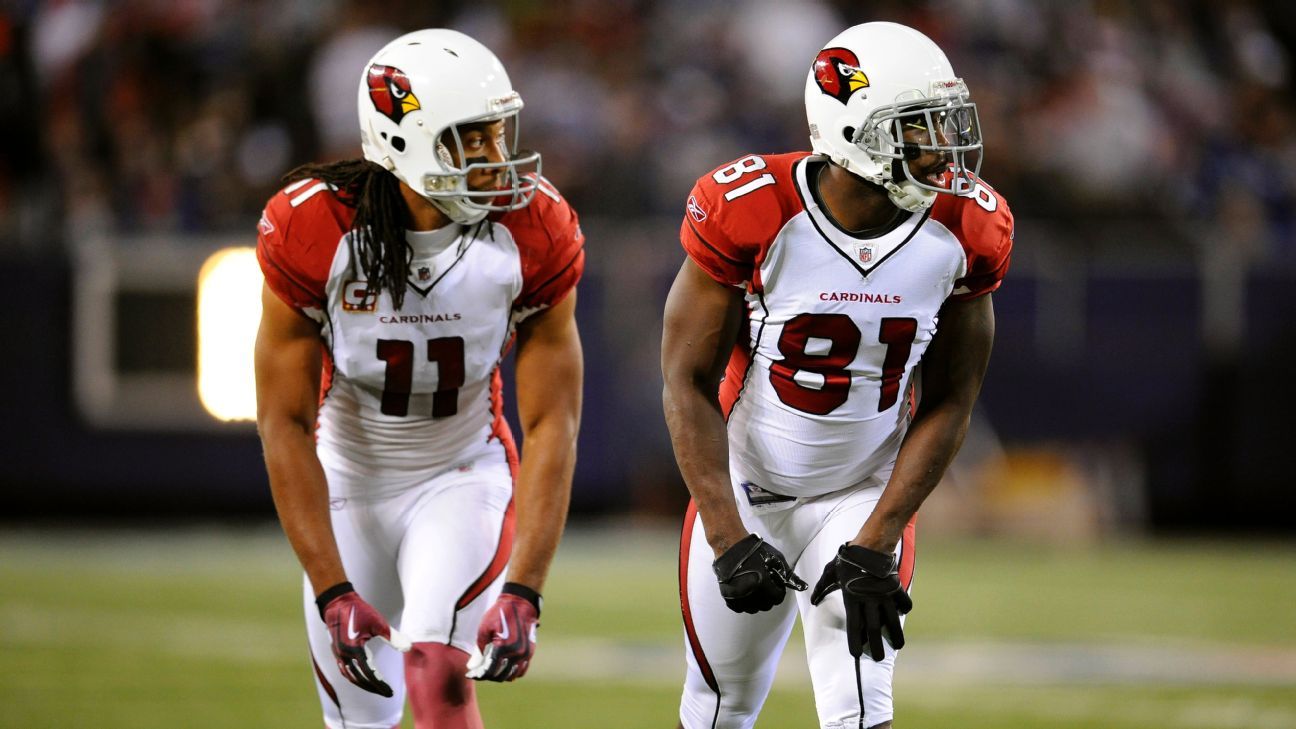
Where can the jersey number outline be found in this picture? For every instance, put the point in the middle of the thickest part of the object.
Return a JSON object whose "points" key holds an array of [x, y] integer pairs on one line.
{"points": [[446, 352], [980, 194], [731, 173], [837, 343]]}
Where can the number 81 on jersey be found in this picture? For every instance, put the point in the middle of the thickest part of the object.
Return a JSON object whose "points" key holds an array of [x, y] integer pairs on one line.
{"points": [[731, 173]]}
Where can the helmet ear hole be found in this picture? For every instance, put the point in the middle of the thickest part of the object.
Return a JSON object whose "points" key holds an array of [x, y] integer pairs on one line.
{"points": [[384, 136], [848, 133], [398, 143]]}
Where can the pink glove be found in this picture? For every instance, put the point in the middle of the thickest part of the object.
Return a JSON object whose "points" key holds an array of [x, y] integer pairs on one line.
{"points": [[506, 638], [352, 623]]}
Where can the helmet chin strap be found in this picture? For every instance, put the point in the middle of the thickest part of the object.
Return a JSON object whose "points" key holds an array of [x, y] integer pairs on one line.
{"points": [[904, 194], [454, 208], [458, 213], [909, 197]]}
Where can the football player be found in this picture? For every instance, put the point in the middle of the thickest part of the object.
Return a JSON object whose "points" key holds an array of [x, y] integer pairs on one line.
{"points": [[394, 284], [824, 343]]}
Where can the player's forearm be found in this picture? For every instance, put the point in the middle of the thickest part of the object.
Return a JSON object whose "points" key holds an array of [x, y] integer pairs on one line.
{"points": [[542, 495], [929, 446], [550, 377], [300, 493], [701, 444]]}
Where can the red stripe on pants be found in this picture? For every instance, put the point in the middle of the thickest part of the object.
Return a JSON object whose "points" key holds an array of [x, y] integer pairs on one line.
{"points": [[328, 688], [497, 563], [908, 555], [686, 539]]}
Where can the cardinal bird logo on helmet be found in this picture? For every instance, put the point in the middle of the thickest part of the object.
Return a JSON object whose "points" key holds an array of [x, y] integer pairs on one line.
{"points": [[389, 88], [838, 74]]}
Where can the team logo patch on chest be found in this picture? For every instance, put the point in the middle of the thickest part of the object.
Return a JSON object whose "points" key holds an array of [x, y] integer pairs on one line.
{"points": [[419, 318], [860, 297]]}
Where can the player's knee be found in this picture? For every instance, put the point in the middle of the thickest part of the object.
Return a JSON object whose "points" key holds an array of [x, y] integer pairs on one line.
{"points": [[434, 672], [705, 715]]}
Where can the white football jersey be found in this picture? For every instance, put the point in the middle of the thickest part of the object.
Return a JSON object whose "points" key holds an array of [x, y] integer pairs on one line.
{"points": [[410, 392], [818, 393]]}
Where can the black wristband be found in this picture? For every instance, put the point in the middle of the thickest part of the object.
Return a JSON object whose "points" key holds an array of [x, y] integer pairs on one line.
{"points": [[331, 594], [524, 592]]}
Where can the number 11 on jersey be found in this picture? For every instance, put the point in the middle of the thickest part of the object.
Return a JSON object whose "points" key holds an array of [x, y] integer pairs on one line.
{"points": [[448, 355], [731, 173]]}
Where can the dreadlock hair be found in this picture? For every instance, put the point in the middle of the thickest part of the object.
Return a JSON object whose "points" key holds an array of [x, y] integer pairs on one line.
{"points": [[378, 246]]}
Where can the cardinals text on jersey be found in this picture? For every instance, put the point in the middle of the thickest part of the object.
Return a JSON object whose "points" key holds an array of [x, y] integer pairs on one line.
{"points": [[817, 392], [425, 374]]}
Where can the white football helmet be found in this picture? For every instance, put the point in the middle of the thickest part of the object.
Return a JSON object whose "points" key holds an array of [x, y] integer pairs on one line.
{"points": [[872, 81], [415, 93]]}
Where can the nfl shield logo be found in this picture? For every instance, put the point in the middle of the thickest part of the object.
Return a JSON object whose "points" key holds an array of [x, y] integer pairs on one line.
{"points": [[424, 273], [865, 253]]}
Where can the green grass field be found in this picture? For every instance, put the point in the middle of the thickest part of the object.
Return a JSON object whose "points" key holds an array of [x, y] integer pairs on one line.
{"points": [[201, 629]]}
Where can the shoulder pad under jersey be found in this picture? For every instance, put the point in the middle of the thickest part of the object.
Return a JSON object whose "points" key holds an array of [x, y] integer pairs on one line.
{"points": [[983, 224], [551, 244], [297, 237], [734, 212]]}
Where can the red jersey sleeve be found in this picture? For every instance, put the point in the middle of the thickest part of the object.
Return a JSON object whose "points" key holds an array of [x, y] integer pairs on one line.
{"points": [[297, 237], [735, 211], [983, 223], [551, 246]]}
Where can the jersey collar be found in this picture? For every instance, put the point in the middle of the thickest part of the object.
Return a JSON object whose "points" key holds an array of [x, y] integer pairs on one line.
{"points": [[865, 254]]}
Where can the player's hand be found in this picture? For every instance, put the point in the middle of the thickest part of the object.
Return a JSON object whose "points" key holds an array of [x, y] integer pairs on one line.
{"points": [[352, 623], [506, 638], [754, 576], [875, 600]]}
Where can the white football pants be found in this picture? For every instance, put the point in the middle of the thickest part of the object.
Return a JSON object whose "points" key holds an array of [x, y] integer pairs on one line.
{"points": [[431, 559], [732, 656]]}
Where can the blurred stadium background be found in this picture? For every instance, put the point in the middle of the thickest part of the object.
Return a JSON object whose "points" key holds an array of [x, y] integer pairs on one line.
{"points": [[1114, 547]]}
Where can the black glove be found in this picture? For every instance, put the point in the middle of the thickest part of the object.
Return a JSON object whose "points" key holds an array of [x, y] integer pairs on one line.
{"points": [[754, 575], [874, 599]]}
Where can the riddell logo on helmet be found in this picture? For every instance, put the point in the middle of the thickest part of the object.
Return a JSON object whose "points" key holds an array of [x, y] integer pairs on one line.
{"points": [[390, 91], [838, 74]]}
